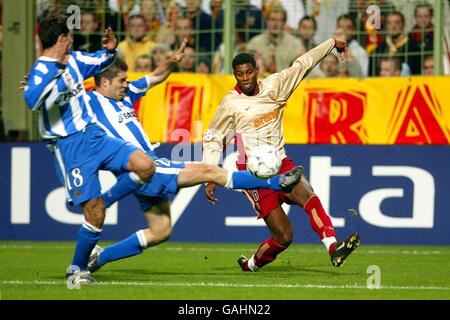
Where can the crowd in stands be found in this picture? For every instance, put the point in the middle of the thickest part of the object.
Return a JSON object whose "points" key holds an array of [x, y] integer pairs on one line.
{"points": [[276, 31]]}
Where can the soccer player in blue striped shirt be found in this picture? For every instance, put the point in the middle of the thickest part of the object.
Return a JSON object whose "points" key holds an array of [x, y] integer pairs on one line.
{"points": [[112, 102], [68, 126]]}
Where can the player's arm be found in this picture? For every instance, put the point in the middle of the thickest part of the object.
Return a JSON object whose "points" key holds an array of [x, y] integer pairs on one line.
{"points": [[138, 88], [213, 142], [290, 78], [91, 64], [163, 71], [38, 84]]}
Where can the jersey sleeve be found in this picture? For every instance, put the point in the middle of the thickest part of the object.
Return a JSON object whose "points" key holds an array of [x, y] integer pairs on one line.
{"points": [[214, 137], [41, 80], [138, 88], [91, 64], [290, 78]]}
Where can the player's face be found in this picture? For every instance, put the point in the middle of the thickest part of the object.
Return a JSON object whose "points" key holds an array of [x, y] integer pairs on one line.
{"points": [[246, 77], [118, 86]]}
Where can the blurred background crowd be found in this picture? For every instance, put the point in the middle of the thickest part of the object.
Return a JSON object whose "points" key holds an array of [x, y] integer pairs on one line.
{"points": [[276, 31]]}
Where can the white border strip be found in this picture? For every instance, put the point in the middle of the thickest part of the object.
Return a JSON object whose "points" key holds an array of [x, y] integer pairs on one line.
{"points": [[222, 284]]}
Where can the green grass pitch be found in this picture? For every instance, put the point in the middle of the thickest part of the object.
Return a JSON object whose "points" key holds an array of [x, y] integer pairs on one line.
{"points": [[205, 271]]}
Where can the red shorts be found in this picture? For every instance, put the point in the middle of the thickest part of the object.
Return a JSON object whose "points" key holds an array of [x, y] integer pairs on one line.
{"points": [[265, 200]]}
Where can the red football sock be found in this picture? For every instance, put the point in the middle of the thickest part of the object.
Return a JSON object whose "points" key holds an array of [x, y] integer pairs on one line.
{"points": [[319, 220], [267, 252]]}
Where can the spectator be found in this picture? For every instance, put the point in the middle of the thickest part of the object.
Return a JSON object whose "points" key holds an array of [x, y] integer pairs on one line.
{"points": [[369, 36], [326, 14], [87, 39], [343, 70], [390, 67], [278, 47], [201, 23], [125, 8], [294, 8], [428, 66], [421, 35], [356, 53], [188, 62], [136, 42], [307, 28], [149, 10], [249, 18], [159, 54], [396, 44], [329, 66], [143, 64], [204, 65], [167, 32], [219, 57]]}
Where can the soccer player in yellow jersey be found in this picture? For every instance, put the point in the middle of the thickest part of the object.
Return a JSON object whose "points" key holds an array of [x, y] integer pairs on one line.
{"points": [[253, 111]]}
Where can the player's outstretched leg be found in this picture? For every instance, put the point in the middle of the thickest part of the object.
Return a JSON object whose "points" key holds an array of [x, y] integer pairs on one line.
{"points": [[197, 172], [283, 182]]}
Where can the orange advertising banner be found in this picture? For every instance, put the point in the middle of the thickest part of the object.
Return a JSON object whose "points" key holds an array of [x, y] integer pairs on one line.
{"points": [[412, 110]]}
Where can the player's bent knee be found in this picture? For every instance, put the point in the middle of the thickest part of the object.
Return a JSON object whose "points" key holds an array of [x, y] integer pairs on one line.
{"points": [[284, 238], [142, 165], [162, 235], [94, 212], [148, 171]]}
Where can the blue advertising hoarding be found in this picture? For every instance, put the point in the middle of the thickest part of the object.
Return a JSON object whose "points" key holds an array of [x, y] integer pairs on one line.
{"points": [[400, 192]]}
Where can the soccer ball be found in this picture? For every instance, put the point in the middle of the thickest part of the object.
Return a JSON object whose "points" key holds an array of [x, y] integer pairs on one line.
{"points": [[263, 161]]}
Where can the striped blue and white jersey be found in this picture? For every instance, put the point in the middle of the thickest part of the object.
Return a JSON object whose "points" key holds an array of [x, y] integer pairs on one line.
{"points": [[118, 118], [56, 91]]}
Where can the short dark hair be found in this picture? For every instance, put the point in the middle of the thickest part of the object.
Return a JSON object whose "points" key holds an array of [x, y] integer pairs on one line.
{"points": [[51, 28], [346, 16], [243, 58], [399, 14], [395, 60], [424, 5], [112, 71], [308, 18]]}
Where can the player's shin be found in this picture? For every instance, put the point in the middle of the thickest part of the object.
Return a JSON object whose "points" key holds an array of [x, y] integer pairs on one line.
{"points": [[321, 222], [266, 253], [245, 180], [87, 238], [128, 247], [126, 184]]}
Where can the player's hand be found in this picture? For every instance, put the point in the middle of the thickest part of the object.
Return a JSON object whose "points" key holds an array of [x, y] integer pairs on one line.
{"points": [[209, 193], [178, 55], [109, 40], [341, 48], [24, 82]]}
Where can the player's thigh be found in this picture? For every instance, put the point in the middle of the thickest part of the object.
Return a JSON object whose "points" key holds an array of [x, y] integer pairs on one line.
{"points": [[279, 225], [79, 175], [198, 172], [158, 217]]}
